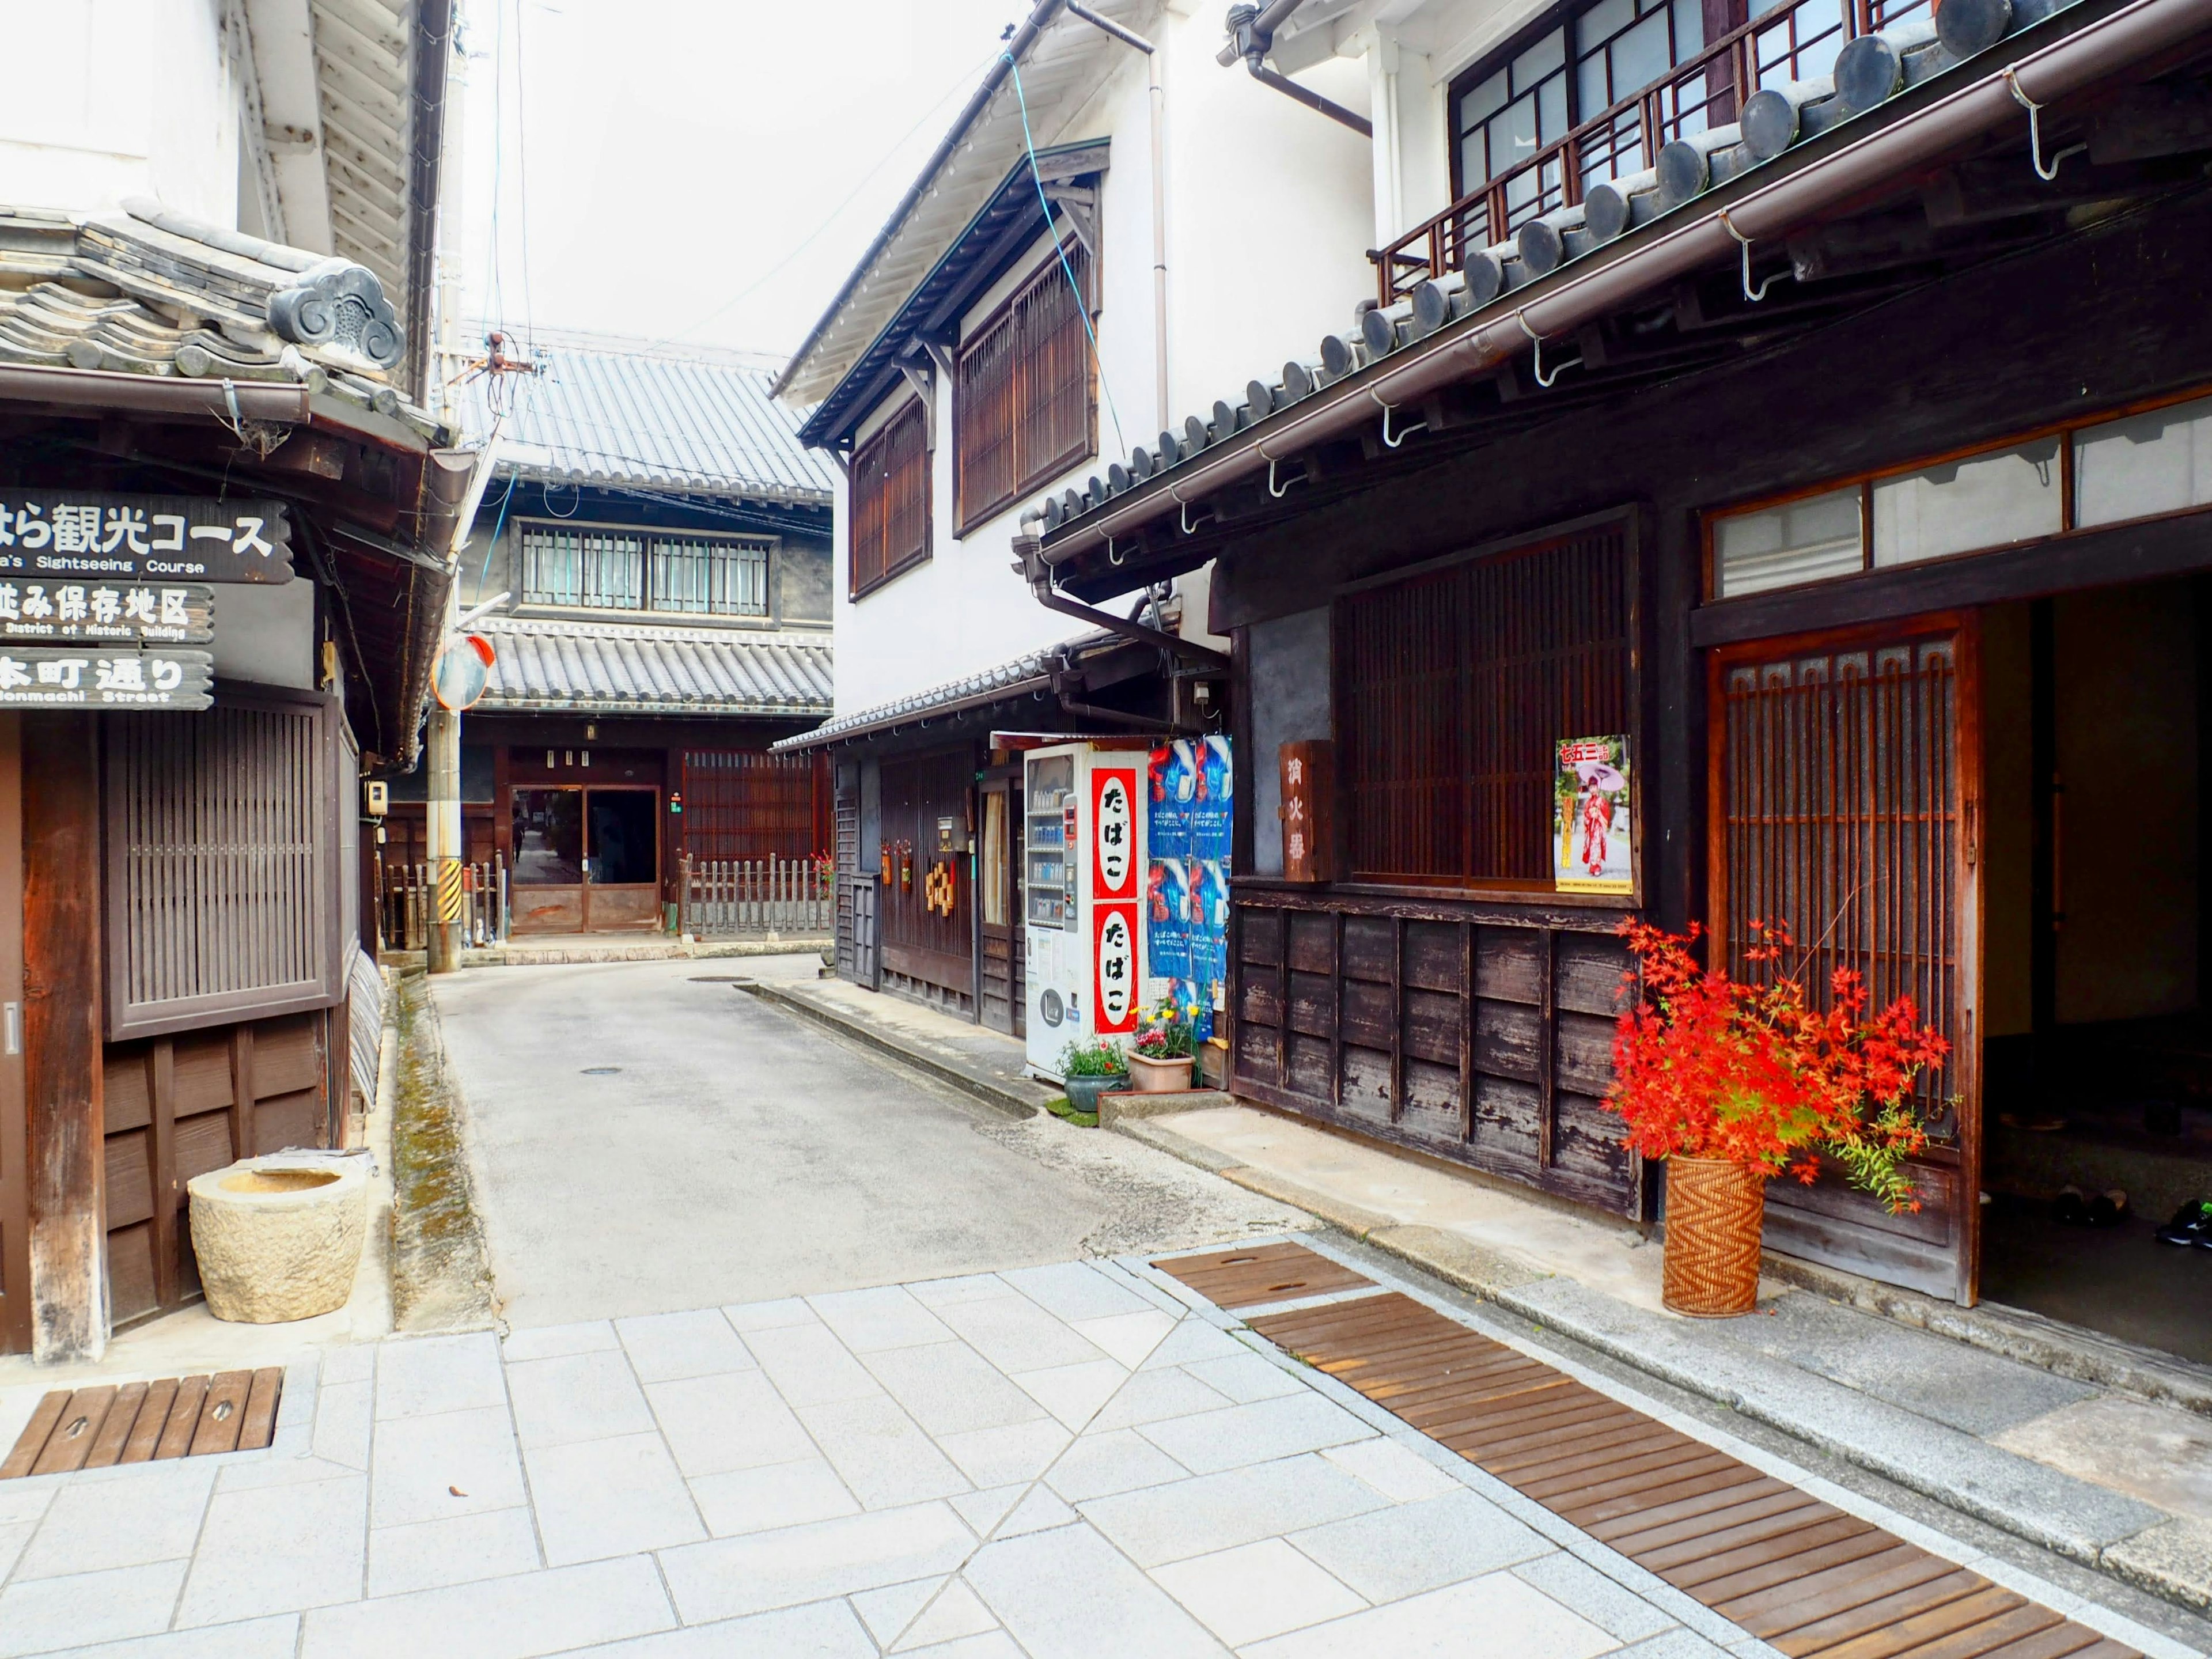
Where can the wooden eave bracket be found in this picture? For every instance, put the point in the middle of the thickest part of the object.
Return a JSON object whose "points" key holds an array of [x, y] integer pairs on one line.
{"points": [[923, 377]]}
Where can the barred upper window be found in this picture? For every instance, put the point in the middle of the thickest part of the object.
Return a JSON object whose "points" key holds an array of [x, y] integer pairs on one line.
{"points": [[1025, 406], [891, 500], [603, 569]]}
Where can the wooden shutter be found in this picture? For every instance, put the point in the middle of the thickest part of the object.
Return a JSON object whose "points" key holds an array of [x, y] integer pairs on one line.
{"points": [[1453, 690], [1838, 776], [221, 853], [890, 529], [1025, 409], [747, 803], [985, 418]]}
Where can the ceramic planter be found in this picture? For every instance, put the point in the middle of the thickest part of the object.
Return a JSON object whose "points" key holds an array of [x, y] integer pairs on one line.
{"points": [[1715, 1209], [1168, 1075], [1083, 1092]]}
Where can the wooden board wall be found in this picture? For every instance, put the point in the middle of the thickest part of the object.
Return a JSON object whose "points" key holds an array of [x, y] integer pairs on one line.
{"points": [[925, 953], [1449, 1029], [179, 1106]]}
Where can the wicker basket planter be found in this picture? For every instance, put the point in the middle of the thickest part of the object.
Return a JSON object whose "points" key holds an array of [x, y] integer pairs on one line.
{"points": [[1715, 1207], [1148, 1076]]}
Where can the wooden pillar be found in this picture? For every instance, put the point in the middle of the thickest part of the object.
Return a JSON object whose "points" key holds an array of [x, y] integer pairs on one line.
{"points": [[61, 1034], [15, 1174]]}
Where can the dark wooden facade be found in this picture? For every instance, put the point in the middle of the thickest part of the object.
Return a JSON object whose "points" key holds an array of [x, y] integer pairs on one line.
{"points": [[1366, 1004]]}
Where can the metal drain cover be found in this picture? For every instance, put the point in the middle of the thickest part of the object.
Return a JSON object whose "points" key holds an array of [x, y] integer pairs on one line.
{"points": [[601, 1071]]}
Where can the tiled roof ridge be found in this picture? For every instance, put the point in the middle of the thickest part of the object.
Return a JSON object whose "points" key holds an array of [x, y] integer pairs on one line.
{"points": [[581, 627], [1030, 665]]}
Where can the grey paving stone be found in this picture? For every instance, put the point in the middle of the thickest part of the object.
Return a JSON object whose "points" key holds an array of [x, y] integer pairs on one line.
{"points": [[552, 1341], [732, 1421], [1121, 1460], [26, 1499], [906, 1617], [1125, 1338], [881, 1454], [1966, 1387], [1068, 1594], [1512, 1616], [1386, 1464], [430, 1469], [583, 1396], [780, 1495], [668, 1348], [1075, 1290], [1245, 1377], [1018, 1451], [962, 1288], [950, 1389], [1256, 1433], [278, 1550], [417, 1376], [1016, 1335], [746, 1317], [257, 1638], [40, 1615], [12, 1539], [1159, 1525], [353, 1363], [729, 1577], [343, 1417], [1257, 1590], [153, 1514], [598, 1498], [826, 1629], [517, 1617], [1074, 1394], [997, 1645], [888, 1318], [1574, 1583], [1408, 1548], [1678, 1643], [431, 1554], [810, 1366], [1194, 1338], [1151, 1396], [1038, 1511]]}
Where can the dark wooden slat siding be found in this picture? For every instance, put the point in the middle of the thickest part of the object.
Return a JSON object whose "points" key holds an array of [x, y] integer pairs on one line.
{"points": [[1812, 1581], [1459, 1030]]}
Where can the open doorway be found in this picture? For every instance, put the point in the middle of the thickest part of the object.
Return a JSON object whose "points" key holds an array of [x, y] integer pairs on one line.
{"points": [[2097, 968]]}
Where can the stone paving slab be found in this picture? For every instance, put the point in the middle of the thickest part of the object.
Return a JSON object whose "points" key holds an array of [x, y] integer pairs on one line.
{"points": [[1056, 1463]]}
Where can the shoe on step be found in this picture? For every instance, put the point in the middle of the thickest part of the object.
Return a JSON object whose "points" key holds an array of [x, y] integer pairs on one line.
{"points": [[2070, 1207], [2107, 1208], [2191, 1224]]}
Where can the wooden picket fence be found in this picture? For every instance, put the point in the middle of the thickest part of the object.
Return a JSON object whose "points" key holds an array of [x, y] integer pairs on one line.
{"points": [[724, 898], [409, 903]]}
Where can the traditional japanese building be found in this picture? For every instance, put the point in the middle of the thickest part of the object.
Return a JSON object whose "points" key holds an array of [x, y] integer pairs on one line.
{"points": [[1802, 417], [661, 539], [225, 519]]}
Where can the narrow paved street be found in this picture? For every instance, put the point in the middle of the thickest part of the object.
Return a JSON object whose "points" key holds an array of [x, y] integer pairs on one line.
{"points": [[647, 1137]]}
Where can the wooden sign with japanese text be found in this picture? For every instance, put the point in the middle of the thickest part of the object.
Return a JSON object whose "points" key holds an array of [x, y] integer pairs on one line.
{"points": [[1307, 773], [105, 613], [58, 534], [38, 678]]}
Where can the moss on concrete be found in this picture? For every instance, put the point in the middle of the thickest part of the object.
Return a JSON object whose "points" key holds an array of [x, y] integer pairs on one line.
{"points": [[440, 1270]]}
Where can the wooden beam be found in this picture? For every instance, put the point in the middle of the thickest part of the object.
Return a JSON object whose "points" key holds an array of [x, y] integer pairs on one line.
{"points": [[15, 1196], [61, 1031]]}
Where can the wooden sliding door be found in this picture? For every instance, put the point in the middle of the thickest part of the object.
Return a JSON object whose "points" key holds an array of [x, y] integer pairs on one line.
{"points": [[1845, 777]]}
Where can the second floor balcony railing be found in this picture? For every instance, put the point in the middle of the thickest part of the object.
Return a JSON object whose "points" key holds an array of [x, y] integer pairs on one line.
{"points": [[1794, 40]]}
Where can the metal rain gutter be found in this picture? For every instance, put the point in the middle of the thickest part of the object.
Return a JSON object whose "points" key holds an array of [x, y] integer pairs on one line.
{"points": [[2135, 32], [1017, 49]]}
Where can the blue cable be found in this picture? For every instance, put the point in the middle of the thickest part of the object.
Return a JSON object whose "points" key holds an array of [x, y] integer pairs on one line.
{"points": [[1082, 309]]}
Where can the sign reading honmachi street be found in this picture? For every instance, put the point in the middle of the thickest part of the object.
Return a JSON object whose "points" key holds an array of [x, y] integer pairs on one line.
{"points": [[111, 613], [61, 534], [38, 678]]}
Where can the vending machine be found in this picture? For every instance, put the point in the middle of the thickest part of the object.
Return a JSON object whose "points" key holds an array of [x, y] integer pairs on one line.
{"points": [[1083, 860]]}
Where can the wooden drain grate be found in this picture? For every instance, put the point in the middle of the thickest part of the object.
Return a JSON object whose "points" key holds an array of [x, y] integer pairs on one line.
{"points": [[1800, 1574], [1263, 1273], [145, 1422]]}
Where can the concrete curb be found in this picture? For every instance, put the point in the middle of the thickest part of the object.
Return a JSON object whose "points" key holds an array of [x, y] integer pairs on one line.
{"points": [[490, 956], [990, 1092], [2146, 1558]]}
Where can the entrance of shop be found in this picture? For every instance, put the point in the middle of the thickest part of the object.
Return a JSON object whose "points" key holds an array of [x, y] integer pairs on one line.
{"points": [[2097, 716], [586, 858]]}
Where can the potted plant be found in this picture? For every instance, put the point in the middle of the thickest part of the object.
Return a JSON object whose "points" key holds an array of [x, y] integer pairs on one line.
{"points": [[1089, 1070], [1733, 1082], [1166, 1048]]}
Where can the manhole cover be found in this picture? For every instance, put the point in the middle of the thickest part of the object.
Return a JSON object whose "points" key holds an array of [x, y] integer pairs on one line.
{"points": [[601, 1071]]}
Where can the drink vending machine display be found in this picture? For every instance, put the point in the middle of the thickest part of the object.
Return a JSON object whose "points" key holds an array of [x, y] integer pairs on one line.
{"points": [[1084, 859]]}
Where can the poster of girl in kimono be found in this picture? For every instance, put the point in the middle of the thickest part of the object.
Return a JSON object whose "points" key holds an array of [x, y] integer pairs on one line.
{"points": [[1593, 817]]}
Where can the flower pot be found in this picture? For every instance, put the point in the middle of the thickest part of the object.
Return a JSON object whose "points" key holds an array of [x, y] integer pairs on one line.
{"points": [[1168, 1075], [1083, 1092], [277, 1240], [1714, 1210]]}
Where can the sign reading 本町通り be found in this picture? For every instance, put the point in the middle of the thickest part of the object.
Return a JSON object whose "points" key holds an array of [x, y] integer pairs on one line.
{"points": [[61, 534], [38, 678], [114, 613], [1592, 817]]}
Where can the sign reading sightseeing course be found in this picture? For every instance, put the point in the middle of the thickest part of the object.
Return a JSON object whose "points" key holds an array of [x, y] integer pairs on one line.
{"points": [[105, 679], [60, 534], [1592, 817], [116, 613]]}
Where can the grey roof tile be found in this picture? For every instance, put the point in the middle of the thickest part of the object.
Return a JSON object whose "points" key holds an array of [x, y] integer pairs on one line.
{"points": [[541, 664]]}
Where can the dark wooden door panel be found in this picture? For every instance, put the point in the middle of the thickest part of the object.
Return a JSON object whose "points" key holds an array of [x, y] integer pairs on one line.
{"points": [[923, 797]]}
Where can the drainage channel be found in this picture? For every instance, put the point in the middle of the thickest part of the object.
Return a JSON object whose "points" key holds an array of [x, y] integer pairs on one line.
{"points": [[146, 1422]]}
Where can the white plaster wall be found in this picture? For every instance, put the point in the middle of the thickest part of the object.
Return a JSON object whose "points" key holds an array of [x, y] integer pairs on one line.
{"points": [[108, 99], [1270, 209]]}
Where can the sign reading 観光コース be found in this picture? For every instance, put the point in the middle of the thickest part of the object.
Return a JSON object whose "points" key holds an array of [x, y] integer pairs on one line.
{"points": [[39, 678], [108, 613], [65, 535]]}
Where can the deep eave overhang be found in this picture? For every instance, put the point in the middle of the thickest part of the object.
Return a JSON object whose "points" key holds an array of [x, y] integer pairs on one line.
{"points": [[1013, 218], [2056, 58]]}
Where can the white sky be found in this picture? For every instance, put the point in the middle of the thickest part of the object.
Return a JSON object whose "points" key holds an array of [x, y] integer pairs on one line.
{"points": [[669, 157]]}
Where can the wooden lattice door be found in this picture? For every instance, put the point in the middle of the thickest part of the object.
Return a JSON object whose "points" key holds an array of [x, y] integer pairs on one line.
{"points": [[1844, 783]]}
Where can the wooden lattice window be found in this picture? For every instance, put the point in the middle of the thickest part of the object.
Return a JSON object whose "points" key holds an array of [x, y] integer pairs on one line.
{"points": [[1024, 410], [222, 842], [746, 804], [891, 500], [1453, 690]]}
